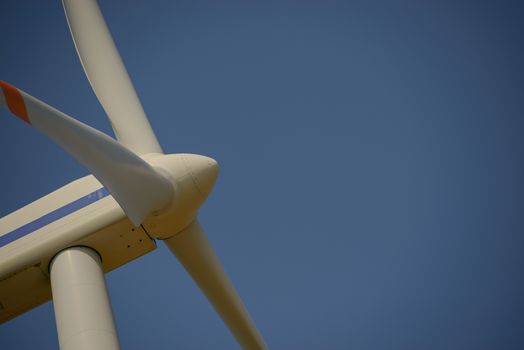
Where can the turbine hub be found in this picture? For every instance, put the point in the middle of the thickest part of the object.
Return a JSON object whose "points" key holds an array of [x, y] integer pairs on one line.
{"points": [[203, 171], [192, 177]]}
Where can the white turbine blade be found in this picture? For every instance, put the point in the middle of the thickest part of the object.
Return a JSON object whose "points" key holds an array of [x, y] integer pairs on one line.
{"points": [[134, 184], [193, 250], [108, 76]]}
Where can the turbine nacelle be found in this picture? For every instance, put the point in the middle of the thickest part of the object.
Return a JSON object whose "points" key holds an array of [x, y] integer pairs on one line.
{"points": [[192, 178]]}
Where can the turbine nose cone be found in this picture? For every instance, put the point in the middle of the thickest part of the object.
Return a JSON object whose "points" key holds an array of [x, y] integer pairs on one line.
{"points": [[203, 170]]}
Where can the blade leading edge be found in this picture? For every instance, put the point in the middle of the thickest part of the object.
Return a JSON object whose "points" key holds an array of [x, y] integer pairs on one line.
{"points": [[193, 250], [108, 76], [137, 187]]}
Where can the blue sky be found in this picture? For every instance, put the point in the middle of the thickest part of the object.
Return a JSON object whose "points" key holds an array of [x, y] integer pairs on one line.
{"points": [[371, 153]]}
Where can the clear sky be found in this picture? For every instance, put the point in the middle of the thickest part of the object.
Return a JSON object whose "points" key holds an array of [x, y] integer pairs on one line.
{"points": [[371, 193]]}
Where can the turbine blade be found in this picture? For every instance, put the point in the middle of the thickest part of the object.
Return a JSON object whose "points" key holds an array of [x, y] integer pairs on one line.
{"points": [[108, 76], [134, 184], [193, 250]]}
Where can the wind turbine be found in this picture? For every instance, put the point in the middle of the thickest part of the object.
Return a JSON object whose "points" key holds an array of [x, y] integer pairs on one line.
{"points": [[61, 245]]}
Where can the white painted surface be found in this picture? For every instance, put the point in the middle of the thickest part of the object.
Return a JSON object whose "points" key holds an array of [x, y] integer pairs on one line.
{"points": [[134, 184], [83, 313], [193, 250], [50, 239], [108, 76], [24, 262]]}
